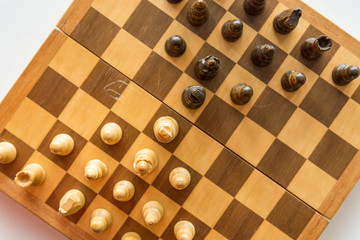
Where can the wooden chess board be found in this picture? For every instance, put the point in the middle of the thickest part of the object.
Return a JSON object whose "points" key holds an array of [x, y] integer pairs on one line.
{"points": [[275, 168]]}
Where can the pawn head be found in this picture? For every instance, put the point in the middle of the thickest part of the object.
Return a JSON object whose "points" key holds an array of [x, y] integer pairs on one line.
{"points": [[269, 50], [236, 25], [353, 71], [175, 41], [211, 63], [300, 78]]}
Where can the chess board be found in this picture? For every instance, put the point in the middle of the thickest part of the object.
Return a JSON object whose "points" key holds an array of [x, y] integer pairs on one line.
{"points": [[276, 168]]}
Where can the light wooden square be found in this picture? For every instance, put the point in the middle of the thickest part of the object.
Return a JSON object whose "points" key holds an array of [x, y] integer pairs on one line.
{"points": [[193, 45], [302, 133], [198, 150], [285, 41], [171, 208], [214, 235], [74, 62], [233, 50], [30, 123], [170, 9], [225, 3], [267, 231], [260, 194], [312, 184], [240, 75], [83, 114], [207, 202], [126, 53]]}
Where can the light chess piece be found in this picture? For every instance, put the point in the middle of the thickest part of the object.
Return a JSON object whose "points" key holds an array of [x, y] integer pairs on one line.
{"points": [[193, 96], [292, 80], [254, 7], [62, 144], [207, 68], [198, 13], [152, 212], [146, 160], [232, 30], [263, 54], [175, 46], [314, 47], [184, 230], [179, 178], [241, 93], [95, 170], [7, 152], [111, 133], [123, 191], [33, 174], [166, 129], [343, 74], [72, 201], [287, 20], [131, 236], [101, 219]]}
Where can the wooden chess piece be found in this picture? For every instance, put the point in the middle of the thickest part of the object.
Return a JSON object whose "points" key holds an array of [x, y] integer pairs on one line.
{"points": [[101, 219], [254, 7], [152, 211], [263, 54], [241, 93], [175, 46], [343, 74], [179, 178], [95, 170], [146, 160], [123, 191], [313, 47], [166, 129], [193, 96], [198, 13], [232, 30], [62, 144], [184, 230], [72, 201], [206, 68], [292, 80], [174, 1], [7, 152], [131, 236], [111, 133], [33, 174], [287, 20]]}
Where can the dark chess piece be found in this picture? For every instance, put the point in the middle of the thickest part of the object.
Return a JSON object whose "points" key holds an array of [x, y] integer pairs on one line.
{"points": [[313, 47], [193, 96], [206, 68], [292, 80], [198, 13], [241, 93], [287, 20], [174, 1], [232, 30], [175, 46], [263, 54], [344, 74], [254, 7]]}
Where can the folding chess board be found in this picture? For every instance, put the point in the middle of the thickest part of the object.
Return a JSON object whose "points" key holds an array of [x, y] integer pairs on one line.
{"points": [[276, 168]]}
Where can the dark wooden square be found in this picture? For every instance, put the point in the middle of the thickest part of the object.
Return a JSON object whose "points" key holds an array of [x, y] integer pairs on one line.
{"points": [[271, 111], [290, 215], [52, 92], [356, 95], [238, 222], [263, 73], [229, 172], [148, 27], [62, 161], [323, 102], [157, 76], [131, 225], [281, 163], [95, 31]]}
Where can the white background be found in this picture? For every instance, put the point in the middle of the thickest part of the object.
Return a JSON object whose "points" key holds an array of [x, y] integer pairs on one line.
{"points": [[24, 26]]}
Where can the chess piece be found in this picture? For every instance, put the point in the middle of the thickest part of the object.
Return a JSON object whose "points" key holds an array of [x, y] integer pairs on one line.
{"points": [[292, 80], [179, 178], [111, 133], [101, 219], [184, 230], [7, 152], [175, 46], [166, 129], [232, 30], [95, 170], [62, 144], [263, 54], [131, 236], [174, 1], [344, 74], [254, 7], [287, 20], [193, 96], [72, 201], [146, 160], [206, 68], [123, 191], [241, 93], [313, 47], [33, 174], [152, 212], [198, 13]]}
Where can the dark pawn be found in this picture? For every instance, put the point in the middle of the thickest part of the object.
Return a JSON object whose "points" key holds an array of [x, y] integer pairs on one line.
{"points": [[292, 80], [263, 54], [344, 74], [241, 93], [287, 20], [206, 68], [175, 46], [313, 47], [254, 7], [232, 30], [174, 1], [193, 97], [198, 13]]}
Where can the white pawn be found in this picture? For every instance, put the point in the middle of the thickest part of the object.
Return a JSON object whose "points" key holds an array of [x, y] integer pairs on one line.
{"points": [[179, 178], [7, 152], [62, 144], [95, 170], [166, 129], [101, 219], [184, 230], [111, 133], [72, 201], [146, 160], [131, 236], [123, 191], [152, 212], [32, 174]]}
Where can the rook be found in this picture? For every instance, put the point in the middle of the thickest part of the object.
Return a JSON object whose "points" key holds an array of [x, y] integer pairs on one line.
{"points": [[254, 7], [292, 80], [33, 174], [313, 47], [232, 30], [206, 68], [198, 13], [241, 93], [175, 46], [344, 74], [287, 20]]}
